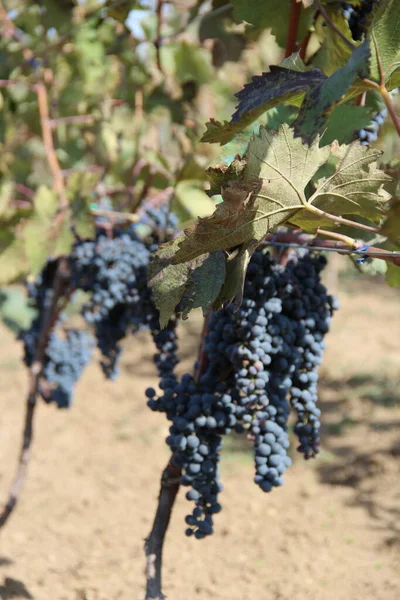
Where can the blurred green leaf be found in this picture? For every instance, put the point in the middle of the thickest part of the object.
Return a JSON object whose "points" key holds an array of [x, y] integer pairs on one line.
{"points": [[385, 43], [273, 14], [393, 275]]}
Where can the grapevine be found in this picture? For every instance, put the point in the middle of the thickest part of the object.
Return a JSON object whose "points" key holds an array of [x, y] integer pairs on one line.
{"points": [[118, 220]]}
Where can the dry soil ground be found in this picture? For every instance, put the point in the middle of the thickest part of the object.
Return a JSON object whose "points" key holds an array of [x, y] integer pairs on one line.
{"points": [[330, 533]]}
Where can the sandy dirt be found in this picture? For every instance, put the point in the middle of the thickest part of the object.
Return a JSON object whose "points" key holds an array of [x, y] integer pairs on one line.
{"points": [[332, 532]]}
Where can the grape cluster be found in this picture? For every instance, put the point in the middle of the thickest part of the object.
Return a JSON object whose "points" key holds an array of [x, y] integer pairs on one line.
{"points": [[260, 357], [369, 134], [114, 272], [64, 357], [358, 17], [65, 360]]}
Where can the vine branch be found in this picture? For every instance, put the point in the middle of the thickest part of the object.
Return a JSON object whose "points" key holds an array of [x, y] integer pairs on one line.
{"points": [[301, 240], [170, 483], [47, 134], [294, 21], [61, 282]]}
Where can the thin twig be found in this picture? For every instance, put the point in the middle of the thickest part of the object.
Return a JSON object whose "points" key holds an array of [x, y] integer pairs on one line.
{"points": [[389, 105], [294, 21], [292, 239], [89, 119], [304, 45], [383, 90], [333, 26], [115, 216], [340, 220], [49, 318], [5, 83], [158, 40], [43, 105], [337, 236], [24, 190]]}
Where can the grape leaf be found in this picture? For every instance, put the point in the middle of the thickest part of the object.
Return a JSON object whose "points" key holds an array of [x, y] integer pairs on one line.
{"points": [[317, 104], [355, 188], [273, 14], [391, 226], [278, 169], [221, 133], [393, 275], [220, 176], [167, 281], [270, 88], [7, 212], [343, 123], [288, 82], [200, 280], [384, 33], [45, 202], [236, 268], [334, 52], [12, 258], [191, 200], [205, 282]]}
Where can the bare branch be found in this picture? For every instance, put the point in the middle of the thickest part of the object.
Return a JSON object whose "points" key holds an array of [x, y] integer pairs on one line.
{"points": [[49, 318], [47, 134], [170, 482]]}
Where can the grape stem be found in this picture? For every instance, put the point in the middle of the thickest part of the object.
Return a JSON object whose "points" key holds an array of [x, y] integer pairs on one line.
{"points": [[49, 318], [382, 89], [294, 21], [297, 239], [170, 483]]}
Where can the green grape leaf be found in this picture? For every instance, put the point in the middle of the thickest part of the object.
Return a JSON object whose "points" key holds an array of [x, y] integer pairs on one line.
{"points": [[12, 258], [221, 133], [45, 202], [7, 212], [191, 200], [274, 15], [393, 275], [334, 51], [343, 123], [236, 268], [384, 34], [272, 189], [355, 188], [391, 225], [15, 311], [167, 281], [317, 104], [204, 283], [200, 280], [37, 242]]}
